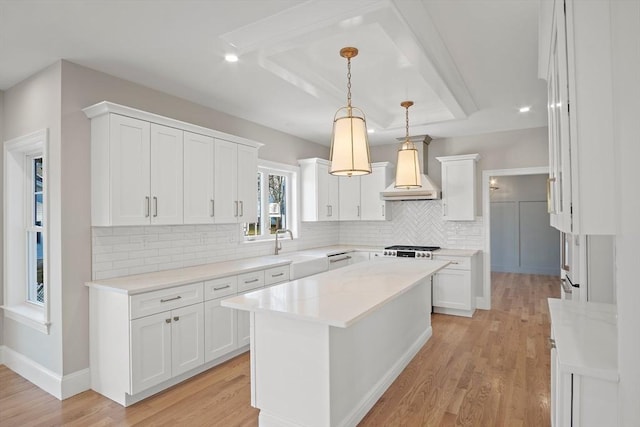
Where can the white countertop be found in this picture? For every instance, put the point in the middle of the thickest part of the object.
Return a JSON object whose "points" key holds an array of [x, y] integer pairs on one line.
{"points": [[456, 252], [339, 297], [586, 337], [140, 283]]}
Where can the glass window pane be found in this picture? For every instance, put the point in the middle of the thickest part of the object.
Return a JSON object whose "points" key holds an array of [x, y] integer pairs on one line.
{"points": [[37, 172], [277, 202], [38, 213], [35, 267]]}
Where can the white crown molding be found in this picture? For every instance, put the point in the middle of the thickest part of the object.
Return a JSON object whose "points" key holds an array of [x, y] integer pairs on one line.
{"points": [[106, 107]]}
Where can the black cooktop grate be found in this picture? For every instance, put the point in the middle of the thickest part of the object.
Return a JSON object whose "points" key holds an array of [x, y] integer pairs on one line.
{"points": [[413, 248]]}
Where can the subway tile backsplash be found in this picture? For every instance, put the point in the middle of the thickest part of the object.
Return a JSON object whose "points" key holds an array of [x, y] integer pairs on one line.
{"points": [[122, 251]]}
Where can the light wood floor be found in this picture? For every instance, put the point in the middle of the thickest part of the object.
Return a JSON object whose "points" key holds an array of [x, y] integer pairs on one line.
{"points": [[491, 370]]}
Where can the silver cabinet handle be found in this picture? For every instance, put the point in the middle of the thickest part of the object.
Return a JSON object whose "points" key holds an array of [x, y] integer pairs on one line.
{"points": [[171, 299], [277, 275], [241, 208], [340, 259], [358, 211], [167, 320], [552, 343], [213, 208], [155, 206], [454, 262], [328, 210], [222, 287], [444, 209], [251, 281], [235, 212], [550, 204], [148, 204], [176, 318], [382, 210]]}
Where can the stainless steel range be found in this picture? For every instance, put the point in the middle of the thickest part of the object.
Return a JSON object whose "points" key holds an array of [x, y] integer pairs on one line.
{"points": [[421, 252]]}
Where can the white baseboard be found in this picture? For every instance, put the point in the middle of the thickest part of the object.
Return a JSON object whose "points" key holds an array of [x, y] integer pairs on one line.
{"points": [[58, 386]]}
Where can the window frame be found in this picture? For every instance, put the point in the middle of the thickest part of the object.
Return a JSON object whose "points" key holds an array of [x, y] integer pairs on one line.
{"points": [[292, 198], [18, 216]]}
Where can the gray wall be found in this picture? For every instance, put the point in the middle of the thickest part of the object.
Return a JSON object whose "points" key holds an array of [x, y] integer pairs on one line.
{"points": [[29, 106], [498, 150], [522, 241]]}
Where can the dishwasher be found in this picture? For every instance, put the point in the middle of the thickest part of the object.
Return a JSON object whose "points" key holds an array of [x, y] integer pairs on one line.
{"points": [[338, 260]]}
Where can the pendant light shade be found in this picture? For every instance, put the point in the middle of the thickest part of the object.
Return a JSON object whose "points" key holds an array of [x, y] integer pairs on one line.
{"points": [[408, 165], [349, 140]]}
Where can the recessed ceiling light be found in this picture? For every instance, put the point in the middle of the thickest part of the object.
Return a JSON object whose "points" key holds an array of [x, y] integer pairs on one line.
{"points": [[525, 109], [231, 57]]}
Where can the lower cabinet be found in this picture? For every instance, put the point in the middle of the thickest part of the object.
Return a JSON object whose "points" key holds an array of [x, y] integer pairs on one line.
{"points": [[143, 343], [454, 286]]}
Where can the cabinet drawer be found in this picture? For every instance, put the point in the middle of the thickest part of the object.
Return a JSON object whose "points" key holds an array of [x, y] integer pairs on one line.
{"points": [[276, 275], [457, 262], [250, 281], [165, 299], [217, 288]]}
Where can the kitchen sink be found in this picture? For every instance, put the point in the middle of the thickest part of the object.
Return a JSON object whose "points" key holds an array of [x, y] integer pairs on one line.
{"points": [[306, 265]]}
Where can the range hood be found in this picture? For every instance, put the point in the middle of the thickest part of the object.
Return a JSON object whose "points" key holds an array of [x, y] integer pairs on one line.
{"points": [[429, 189]]}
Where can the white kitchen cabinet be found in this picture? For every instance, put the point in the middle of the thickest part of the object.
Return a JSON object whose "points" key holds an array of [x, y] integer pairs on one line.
{"points": [[165, 345], [220, 324], [360, 195], [358, 256], [320, 191], [459, 187], [454, 287], [140, 174], [136, 172], [236, 185], [349, 198], [199, 177], [584, 376], [575, 58], [373, 208]]}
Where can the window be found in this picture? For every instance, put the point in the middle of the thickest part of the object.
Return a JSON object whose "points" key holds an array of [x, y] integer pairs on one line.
{"points": [[275, 199], [25, 230], [35, 232]]}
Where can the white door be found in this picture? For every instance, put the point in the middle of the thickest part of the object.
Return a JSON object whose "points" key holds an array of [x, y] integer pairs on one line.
{"points": [[226, 183], [130, 171], [452, 289], [187, 338], [349, 195], [150, 351], [457, 190], [219, 329], [247, 184], [166, 175], [372, 206], [198, 179]]}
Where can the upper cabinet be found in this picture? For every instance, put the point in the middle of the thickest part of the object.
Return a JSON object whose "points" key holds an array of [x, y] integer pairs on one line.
{"points": [[320, 199], [148, 169], [575, 58], [459, 187], [360, 195]]}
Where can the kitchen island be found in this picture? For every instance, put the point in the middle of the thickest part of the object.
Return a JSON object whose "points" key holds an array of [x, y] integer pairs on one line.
{"points": [[326, 347]]}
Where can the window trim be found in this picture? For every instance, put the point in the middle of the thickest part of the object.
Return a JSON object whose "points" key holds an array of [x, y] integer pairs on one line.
{"points": [[293, 195], [18, 152]]}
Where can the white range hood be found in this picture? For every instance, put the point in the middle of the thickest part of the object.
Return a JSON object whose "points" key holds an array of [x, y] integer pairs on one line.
{"points": [[429, 189]]}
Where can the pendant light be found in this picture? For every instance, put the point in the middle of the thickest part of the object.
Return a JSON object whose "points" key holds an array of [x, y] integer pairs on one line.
{"points": [[349, 141], [408, 166]]}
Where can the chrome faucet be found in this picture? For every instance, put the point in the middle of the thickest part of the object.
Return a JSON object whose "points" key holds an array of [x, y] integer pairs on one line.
{"points": [[279, 245]]}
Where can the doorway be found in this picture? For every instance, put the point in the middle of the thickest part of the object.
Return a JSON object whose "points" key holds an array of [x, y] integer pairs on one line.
{"points": [[484, 302]]}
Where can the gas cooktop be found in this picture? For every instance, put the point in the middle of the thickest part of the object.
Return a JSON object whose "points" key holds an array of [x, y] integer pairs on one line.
{"points": [[413, 248]]}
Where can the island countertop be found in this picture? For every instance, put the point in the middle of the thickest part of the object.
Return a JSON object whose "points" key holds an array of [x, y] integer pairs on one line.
{"points": [[339, 297]]}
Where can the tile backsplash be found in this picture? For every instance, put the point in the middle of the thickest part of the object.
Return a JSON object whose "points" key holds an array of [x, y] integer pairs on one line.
{"points": [[122, 251]]}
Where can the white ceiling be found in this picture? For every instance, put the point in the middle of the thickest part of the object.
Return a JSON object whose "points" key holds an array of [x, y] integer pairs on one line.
{"points": [[467, 64]]}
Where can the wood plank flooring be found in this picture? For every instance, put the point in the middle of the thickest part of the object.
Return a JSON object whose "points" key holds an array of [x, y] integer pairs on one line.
{"points": [[491, 370]]}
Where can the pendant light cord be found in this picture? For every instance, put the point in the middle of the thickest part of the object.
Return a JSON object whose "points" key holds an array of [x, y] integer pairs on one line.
{"points": [[407, 121], [349, 83]]}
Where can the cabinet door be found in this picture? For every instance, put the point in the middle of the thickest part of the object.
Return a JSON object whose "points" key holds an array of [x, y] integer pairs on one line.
{"points": [[130, 171], [220, 330], [198, 179], [349, 198], [226, 183], [150, 351], [187, 338], [372, 206], [247, 184], [357, 257], [458, 190], [322, 193], [166, 175], [452, 289], [333, 196]]}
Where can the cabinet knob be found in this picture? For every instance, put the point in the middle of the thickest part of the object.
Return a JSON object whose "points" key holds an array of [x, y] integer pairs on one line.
{"points": [[176, 318], [167, 320]]}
